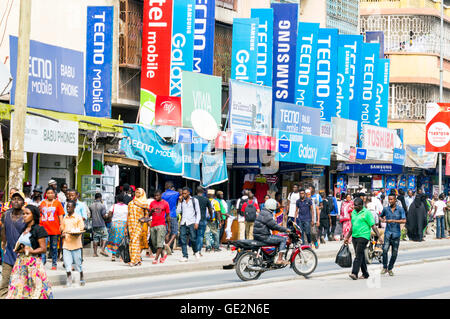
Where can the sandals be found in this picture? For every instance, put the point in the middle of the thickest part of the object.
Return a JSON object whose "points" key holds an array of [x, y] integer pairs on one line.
{"points": [[163, 259], [155, 261], [113, 258]]}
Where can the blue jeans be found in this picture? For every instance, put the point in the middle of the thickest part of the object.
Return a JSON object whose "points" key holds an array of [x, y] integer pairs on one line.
{"points": [[276, 241], [53, 249], [390, 242], [440, 226], [201, 234], [184, 232], [305, 227], [72, 257]]}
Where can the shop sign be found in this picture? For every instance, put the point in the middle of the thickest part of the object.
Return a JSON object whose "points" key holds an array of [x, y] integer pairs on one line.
{"points": [[214, 169], [343, 83], [353, 181], [399, 156], [325, 129], [437, 127], [250, 108], [204, 29], [379, 138], [344, 131], [284, 146], [223, 140], [168, 110], [56, 77], [447, 164], [265, 46], [244, 51], [370, 169], [361, 153], [49, 137], [184, 135], [296, 119], [377, 182]]}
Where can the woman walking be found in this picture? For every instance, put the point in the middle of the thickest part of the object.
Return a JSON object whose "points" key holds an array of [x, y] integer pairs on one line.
{"points": [[28, 277], [118, 214], [439, 212], [136, 212], [346, 215], [362, 223]]}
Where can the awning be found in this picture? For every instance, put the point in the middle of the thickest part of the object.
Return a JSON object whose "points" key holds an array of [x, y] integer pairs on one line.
{"points": [[120, 160], [417, 157]]}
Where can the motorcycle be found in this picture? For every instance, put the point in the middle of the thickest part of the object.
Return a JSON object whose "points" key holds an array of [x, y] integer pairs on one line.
{"points": [[254, 257]]}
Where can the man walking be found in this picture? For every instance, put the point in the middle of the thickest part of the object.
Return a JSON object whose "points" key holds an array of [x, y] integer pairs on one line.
{"points": [[393, 216], [212, 230], [171, 197], [160, 212], [334, 212], [205, 211], [250, 210], [325, 218], [12, 226], [225, 214], [99, 231], [189, 208], [304, 214], [409, 199], [241, 218], [293, 197]]}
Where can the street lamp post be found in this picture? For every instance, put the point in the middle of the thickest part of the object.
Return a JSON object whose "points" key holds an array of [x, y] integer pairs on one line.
{"points": [[441, 87]]}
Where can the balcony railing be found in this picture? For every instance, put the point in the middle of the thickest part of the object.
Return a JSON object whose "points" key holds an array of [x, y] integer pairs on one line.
{"points": [[130, 36], [404, 4], [227, 4]]}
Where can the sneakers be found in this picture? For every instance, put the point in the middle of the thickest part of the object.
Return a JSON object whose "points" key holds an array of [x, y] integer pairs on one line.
{"points": [[384, 271], [218, 249], [53, 267], [197, 255], [391, 273], [354, 277], [163, 259], [82, 283], [183, 260], [322, 240]]}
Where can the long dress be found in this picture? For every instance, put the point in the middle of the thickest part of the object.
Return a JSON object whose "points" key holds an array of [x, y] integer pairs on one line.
{"points": [[117, 231], [346, 217], [135, 231], [416, 220]]}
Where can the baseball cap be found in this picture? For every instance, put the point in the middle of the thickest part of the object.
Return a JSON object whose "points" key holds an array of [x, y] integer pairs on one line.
{"points": [[21, 194], [51, 182], [211, 191], [38, 188], [26, 184]]}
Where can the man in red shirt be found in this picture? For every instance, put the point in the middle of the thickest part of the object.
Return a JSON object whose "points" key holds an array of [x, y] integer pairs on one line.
{"points": [[250, 209], [160, 212]]}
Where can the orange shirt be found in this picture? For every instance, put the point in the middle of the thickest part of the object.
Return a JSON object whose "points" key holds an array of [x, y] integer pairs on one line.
{"points": [[71, 223], [50, 216]]}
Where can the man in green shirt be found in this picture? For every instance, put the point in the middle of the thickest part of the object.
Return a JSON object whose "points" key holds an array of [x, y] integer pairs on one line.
{"points": [[362, 223]]}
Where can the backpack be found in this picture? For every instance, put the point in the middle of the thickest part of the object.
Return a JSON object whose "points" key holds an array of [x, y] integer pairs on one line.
{"points": [[241, 203], [250, 212], [330, 204]]}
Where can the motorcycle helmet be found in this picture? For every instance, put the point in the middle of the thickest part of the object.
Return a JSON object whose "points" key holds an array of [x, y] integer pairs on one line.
{"points": [[271, 204]]}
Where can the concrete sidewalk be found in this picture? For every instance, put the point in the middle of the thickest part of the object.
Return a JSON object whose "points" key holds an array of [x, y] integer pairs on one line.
{"points": [[102, 268]]}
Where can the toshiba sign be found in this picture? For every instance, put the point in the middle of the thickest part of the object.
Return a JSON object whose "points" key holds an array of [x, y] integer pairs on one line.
{"points": [[379, 138], [437, 129]]}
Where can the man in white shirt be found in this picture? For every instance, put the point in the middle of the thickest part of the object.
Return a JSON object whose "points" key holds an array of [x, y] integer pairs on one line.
{"points": [[409, 198], [377, 202], [293, 197], [189, 208]]}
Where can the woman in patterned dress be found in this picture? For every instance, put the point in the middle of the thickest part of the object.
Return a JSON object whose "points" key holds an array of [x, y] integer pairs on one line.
{"points": [[136, 212], [28, 278], [346, 215], [118, 214]]}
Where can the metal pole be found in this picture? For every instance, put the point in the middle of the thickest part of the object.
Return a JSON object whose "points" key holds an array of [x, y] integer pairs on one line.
{"points": [[16, 172], [441, 86]]}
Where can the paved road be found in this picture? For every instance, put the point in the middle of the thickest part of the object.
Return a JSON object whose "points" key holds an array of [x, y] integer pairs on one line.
{"points": [[140, 287]]}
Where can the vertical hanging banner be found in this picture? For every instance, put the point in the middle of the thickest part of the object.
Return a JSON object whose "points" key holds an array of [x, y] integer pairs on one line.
{"points": [[343, 83], [376, 37], [205, 21], [369, 86], [245, 49], [99, 42], [214, 169], [326, 76], [264, 60], [305, 72], [284, 51], [156, 55], [182, 57], [354, 42], [382, 100]]}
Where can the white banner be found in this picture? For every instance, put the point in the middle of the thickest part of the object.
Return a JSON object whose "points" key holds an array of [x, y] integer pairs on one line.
{"points": [[49, 137], [344, 131]]}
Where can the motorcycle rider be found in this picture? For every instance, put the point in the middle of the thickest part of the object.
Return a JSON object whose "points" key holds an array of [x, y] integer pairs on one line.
{"points": [[264, 223]]}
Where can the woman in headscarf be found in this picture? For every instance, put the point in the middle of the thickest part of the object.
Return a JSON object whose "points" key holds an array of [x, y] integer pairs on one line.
{"points": [[345, 217], [137, 211], [416, 219]]}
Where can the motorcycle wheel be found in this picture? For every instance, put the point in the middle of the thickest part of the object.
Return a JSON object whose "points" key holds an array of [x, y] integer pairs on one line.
{"points": [[306, 264], [241, 267], [368, 256]]}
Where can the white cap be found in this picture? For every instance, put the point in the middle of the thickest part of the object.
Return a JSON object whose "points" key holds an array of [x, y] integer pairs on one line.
{"points": [[51, 182], [308, 191], [270, 204]]}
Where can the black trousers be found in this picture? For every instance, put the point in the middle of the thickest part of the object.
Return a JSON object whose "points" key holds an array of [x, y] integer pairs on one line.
{"points": [[324, 227], [359, 244], [333, 224]]}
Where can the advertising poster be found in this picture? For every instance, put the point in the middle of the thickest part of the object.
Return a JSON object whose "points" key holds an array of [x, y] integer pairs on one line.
{"points": [[214, 169], [412, 182], [377, 182], [264, 63], [402, 182], [250, 108], [204, 28], [182, 57], [399, 156], [99, 43], [296, 119], [343, 83], [326, 73], [168, 111], [382, 98], [437, 130], [191, 161], [244, 52], [308, 35], [391, 183]]}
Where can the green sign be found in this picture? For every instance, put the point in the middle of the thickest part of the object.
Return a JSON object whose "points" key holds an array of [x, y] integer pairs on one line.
{"points": [[147, 107], [200, 91]]}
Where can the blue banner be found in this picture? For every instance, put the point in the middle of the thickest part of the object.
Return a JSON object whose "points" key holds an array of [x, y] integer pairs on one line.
{"points": [[284, 51], [326, 76], [265, 46], [182, 58], [382, 100], [369, 169], [369, 87], [354, 42], [343, 83], [56, 77], [245, 49], [402, 184], [205, 22], [147, 146], [296, 119], [191, 160], [412, 182], [376, 37], [305, 72], [214, 169], [307, 149], [361, 153], [399, 156], [99, 44], [391, 183]]}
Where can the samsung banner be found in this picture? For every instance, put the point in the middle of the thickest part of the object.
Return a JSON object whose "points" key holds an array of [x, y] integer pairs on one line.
{"points": [[308, 35], [147, 146], [326, 76], [354, 42], [308, 149], [182, 57], [382, 100], [214, 169], [244, 50], [56, 77], [296, 119], [250, 108], [343, 83], [369, 87], [376, 37], [205, 22], [264, 61], [99, 43], [284, 51]]}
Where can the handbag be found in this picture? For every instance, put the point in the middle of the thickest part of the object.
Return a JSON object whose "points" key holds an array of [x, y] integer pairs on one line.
{"points": [[344, 257], [124, 250]]}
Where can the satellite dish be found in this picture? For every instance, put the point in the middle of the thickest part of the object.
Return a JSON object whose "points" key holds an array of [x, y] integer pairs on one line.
{"points": [[5, 80], [204, 124]]}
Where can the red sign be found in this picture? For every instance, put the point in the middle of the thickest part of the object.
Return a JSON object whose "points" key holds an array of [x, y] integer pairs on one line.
{"points": [[352, 156], [156, 46], [223, 140], [378, 137], [447, 164], [437, 128], [258, 142], [168, 110], [273, 144], [252, 142]]}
